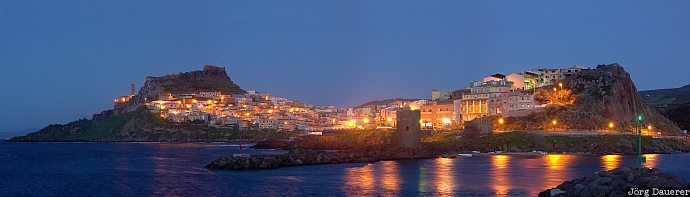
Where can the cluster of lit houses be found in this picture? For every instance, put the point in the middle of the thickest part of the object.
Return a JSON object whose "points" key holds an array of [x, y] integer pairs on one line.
{"points": [[498, 94]]}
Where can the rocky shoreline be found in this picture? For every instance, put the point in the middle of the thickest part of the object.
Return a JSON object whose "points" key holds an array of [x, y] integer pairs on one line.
{"points": [[617, 182]]}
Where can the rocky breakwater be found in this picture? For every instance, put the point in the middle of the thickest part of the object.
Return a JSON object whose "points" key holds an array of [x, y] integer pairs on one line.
{"points": [[311, 157], [293, 158], [619, 182]]}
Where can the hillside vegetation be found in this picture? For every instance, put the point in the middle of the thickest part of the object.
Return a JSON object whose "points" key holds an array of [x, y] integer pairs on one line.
{"points": [[141, 125]]}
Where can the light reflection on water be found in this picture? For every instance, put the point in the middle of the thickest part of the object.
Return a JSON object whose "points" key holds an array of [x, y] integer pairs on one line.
{"points": [[444, 179], [652, 160], [360, 180], [557, 168], [610, 162], [494, 175], [390, 177], [500, 181], [177, 170]]}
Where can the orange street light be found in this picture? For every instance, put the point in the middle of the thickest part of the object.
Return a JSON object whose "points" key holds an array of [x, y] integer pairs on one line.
{"points": [[366, 120], [501, 121], [389, 119], [560, 85], [554, 122], [611, 125], [446, 121]]}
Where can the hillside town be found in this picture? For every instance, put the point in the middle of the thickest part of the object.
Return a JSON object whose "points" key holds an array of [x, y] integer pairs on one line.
{"points": [[498, 94]]}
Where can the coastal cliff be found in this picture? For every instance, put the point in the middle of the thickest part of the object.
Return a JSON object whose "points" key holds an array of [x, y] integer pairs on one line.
{"points": [[598, 99], [609, 91]]}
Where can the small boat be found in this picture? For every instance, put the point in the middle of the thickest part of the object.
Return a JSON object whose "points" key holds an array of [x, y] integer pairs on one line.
{"points": [[476, 152], [449, 156], [464, 155], [542, 152]]}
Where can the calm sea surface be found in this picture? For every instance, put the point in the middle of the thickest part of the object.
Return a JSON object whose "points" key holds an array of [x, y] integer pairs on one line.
{"points": [[159, 169]]}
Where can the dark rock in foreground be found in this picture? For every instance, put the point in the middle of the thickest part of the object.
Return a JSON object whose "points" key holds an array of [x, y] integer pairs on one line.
{"points": [[310, 157], [617, 182]]}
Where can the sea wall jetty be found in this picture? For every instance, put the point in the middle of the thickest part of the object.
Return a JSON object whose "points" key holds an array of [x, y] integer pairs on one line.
{"points": [[311, 157], [620, 182]]}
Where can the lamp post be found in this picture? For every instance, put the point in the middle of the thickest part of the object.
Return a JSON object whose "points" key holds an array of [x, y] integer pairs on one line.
{"points": [[640, 159]]}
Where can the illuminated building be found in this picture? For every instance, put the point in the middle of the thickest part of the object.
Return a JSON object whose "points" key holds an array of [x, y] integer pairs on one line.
{"points": [[437, 114]]}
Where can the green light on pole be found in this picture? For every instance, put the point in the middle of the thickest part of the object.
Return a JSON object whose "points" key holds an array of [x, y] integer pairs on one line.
{"points": [[640, 159]]}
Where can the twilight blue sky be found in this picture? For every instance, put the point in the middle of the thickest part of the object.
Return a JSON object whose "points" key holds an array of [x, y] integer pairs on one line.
{"points": [[63, 60]]}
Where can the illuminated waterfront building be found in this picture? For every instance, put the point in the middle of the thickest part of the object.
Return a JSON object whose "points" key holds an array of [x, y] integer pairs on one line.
{"points": [[437, 114]]}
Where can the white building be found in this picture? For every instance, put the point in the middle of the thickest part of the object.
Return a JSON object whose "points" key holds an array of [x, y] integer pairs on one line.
{"points": [[266, 124], [214, 95]]}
